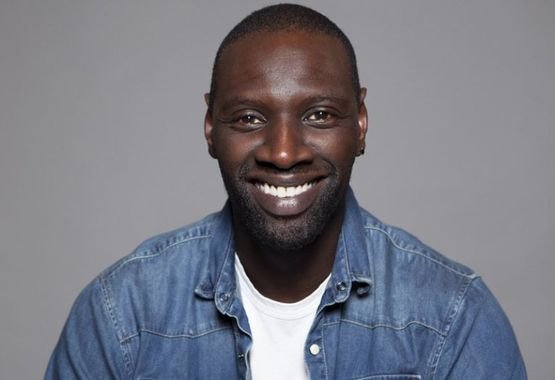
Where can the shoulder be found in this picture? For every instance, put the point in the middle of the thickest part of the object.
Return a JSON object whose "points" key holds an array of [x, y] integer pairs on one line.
{"points": [[147, 288], [162, 260], [414, 285], [148, 291], [180, 244], [428, 287], [480, 342], [404, 245]]}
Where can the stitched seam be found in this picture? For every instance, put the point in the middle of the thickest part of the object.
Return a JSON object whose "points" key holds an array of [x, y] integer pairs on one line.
{"points": [[228, 256], [472, 276], [127, 353], [326, 374], [148, 253], [346, 255], [104, 287], [383, 325], [449, 324], [171, 336]]}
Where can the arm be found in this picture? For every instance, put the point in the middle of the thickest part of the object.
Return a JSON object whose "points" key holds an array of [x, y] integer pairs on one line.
{"points": [[88, 347], [481, 343]]}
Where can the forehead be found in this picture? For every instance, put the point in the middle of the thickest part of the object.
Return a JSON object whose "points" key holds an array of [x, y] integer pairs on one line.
{"points": [[265, 61]]}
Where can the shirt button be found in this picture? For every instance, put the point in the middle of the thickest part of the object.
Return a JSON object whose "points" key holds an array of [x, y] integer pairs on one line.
{"points": [[224, 297], [314, 349], [340, 286]]}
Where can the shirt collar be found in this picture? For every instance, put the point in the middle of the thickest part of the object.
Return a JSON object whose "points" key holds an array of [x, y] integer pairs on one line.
{"points": [[217, 277], [351, 268]]}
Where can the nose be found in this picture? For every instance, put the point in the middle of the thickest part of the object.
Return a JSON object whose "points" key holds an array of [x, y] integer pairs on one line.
{"points": [[284, 144]]}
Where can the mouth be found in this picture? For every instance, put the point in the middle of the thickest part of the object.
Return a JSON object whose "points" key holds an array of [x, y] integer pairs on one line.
{"points": [[286, 200], [284, 191]]}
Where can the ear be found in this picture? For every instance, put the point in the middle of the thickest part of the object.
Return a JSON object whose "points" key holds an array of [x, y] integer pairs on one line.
{"points": [[208, 127], [362, 122]]}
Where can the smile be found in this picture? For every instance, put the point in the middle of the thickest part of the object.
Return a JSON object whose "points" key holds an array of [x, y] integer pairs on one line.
{"points": [[284, 191]]}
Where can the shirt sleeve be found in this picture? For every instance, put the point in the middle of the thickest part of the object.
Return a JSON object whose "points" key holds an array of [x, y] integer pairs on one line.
{"points": [[88, 347], [481, 343]]}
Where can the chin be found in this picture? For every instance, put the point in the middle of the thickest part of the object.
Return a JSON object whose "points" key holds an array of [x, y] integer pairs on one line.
{"points": [[286, 233]]}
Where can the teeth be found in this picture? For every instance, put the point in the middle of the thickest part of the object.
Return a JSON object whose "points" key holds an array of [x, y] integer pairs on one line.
{"points": [[284, 191]]}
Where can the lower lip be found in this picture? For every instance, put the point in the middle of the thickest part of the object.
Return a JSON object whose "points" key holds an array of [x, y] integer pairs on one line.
{"points": [[287, 206]]}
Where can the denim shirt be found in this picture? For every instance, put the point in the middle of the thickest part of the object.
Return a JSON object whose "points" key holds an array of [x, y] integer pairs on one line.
{"points": [[393, 309]]}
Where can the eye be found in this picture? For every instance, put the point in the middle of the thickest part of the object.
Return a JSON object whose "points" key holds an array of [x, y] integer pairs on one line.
{"points": [[319, 117], [250, 120]]}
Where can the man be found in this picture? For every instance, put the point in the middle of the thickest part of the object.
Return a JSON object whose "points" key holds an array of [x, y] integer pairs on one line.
{"points": [[292, 280]]}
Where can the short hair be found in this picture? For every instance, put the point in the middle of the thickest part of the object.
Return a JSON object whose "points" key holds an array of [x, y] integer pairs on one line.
{"points": [[284, 18]]}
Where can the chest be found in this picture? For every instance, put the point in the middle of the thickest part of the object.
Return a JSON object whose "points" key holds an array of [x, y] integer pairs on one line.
{"points": [[335, 348]]}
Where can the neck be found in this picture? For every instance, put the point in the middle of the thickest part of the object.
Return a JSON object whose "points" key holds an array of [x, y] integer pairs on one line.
{"points": [[289, 275]]}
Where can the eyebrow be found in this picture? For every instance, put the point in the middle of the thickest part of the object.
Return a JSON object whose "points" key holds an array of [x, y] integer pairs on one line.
{"points": [[241, 100], [326, 98], [257, 103]]}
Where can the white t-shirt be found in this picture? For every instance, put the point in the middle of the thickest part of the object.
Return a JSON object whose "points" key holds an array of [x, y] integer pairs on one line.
{"points": [[279, 330]]}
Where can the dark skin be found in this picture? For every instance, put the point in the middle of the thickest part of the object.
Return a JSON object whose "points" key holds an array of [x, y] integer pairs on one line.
{"points": [[286, 127]]}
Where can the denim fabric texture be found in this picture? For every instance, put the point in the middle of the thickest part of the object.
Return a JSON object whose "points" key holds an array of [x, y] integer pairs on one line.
{"points": [[393, 309]]}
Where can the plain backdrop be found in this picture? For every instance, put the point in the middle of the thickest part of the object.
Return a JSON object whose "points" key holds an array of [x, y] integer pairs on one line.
{"points": [[101, 144]]}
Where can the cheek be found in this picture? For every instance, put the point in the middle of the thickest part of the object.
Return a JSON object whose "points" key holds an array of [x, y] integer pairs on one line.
{"points": [[233, 150], [338, 146]]}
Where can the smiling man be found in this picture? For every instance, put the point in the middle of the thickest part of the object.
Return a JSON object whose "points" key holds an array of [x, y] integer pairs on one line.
{"points": [[291, 280]]}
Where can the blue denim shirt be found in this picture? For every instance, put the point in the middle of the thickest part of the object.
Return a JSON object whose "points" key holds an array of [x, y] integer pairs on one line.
{"points": [[393, 309]]}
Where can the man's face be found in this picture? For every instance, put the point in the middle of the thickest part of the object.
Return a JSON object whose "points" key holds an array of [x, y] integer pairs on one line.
{"points": [[286, 127]]}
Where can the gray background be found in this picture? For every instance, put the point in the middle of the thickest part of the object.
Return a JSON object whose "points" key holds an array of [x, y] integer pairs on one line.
{"points": [[101, 144]]}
